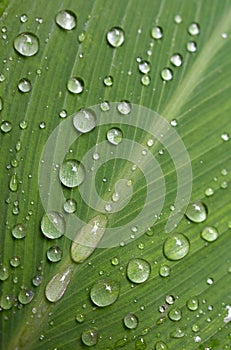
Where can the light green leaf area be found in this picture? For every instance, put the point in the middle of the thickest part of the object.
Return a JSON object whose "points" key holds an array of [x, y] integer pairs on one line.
{"points": [[196, 102]]}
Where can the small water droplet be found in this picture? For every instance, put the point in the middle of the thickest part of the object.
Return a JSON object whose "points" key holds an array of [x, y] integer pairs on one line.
{"points": [[42, 125], [105, 292], [157, 33], [191, 46], [19, 231], [6, 302], [53, 225], [18, 146], [25, 296], [176, 60], [108, 80], [15, 261], [196, 212], [210, 281], [2, 78], [24, 85], [81, 37], [176, 246], [37, 280], [27, 44], [131, 321], [71, 173], [105, 106], [195, 327], [23, 124], [145, 80], [177, 333], [66, 19], [63, 113], [115, 37], [175, 314], [209, 234], [84, 120], [96, 156], [164, 271], [13, 184], [115, 261], [138, 270], [124, 107], [178, 19], [58, 284], [140, 344], [160, 345], [144, 67], [192, 304], [150, 143], [209, 192], [75, 85], [70, 206], [54, 254], [6, 126], [23, 18], [225, 136], [90, 337], [166, 74], [80, 318], [194, 29], [4, 273], [114, 136]]}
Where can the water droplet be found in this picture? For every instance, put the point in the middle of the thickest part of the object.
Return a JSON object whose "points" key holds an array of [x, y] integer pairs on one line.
{"points": [[178, 19], [108, 80], [4, 273], [27, 44], [166, 74], [209, 191], [89, 236], [71, 173], [195, 327], [170, 299], [138, 270], [81, 37], [53, 225], [192, 304], [164, 271], [37, 280], [54, 254], [210, 281], [1, 104], [75, 85], [23, 124], [176, 60], [6, 126], [80, 318], [140, 344], [144, 67], [225, 136], [63, 113], [24, 85], [6, 302], [19, 231], [66, 19], [124, 107], [196, 212], [70, 206], [131, 321], [157, 32], [58, 284], [160, 345], [84, 120], [15, 261], [177, 333], [23, 18], [209, 234], [115, 37], [96, 156], [114, 136], [42, 125], [105, 292], [105, 106], [90, 337], [176, 246], [174, 314], [115, 261], [145, 80], [194, 29], [191, 46], [25, 296], [13, 184], [2, 78], [18, 146]]}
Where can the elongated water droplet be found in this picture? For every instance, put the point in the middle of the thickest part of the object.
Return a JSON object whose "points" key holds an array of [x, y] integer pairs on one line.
{"points": [[164, 271], [166, 74], [114, 136], [191, 46], [115, 37], [75, 85], [57, 286], [4, 273], [6, 126], [70, 206], [25, 296], [19, 231], [160, 345], [66, 19], [13, 185], [138, 270], [131, 321], [84, 120], [53, 225], [27, 44], [144, 67], [194, 29], [90, 337], [89, 236], [1, 104], [209, 234], [105, 292], [176, 60], [157, 33], [24, 85], [192, 304], [196, 212], [174, 314], [176, 246], [54, 254], [124, 107], [71, 173]]}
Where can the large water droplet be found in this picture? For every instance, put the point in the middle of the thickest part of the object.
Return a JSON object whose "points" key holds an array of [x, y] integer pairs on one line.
{"points": [[6, 126], [90, 337], [53, 225], [196, 212], [24, 85], [115, 37], [57, 286], [13, 184], [25, 296], [138, 270], [19, 231], [209, 234], [174, 314], [192, 304], [166, 74], [75, 85], [105, 292], [144, 67], [194, 29], [114, 136], [89, 236], [70, 206], [124, 107], [176, 246], [157, 33], [54, 254], [66, 19], [176, 60], [4, 273], [160, 345], [84, 120], [71, 173], [131, 321], [27, 44]]}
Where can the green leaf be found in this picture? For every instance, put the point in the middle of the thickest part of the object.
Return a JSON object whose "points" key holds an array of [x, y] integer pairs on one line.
{"points": [[181, 125]]}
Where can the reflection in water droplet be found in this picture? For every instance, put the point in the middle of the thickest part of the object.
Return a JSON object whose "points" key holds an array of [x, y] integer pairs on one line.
{"points": [[108, 81], [166, 74], [145, 80], [57, 286], [144, 67], [27, 44], [194, 29], [4, 273], [66, 19], [71, 173], [115, 37], [196, 212], [15, 261], [13, 184], [70, 206], [90, 337], [192, 304], [176, 246], [19, 231], [24, 85], [209, 234], [164, 271], [175, 314], [54, 254], [53, 225], [75, 85], [131, 321], [138, 270], [157, 32], [25, 296], [176, 60], [124, 107], [6, 126], [191, 46], [105, 292], [114, 136], [84, 120], [160, 345]]}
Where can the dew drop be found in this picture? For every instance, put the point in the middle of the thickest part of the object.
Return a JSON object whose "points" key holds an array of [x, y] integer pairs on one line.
{"points": [[209, 192], [75, 85], [23, 124], [4, 273], [177, 333], [210, 281], [225, 136], [105, 106], [124, 107], [194, 29], [191, 46], [89, 236], [6, 126], [6, 302], [131, 321], [115, 261], [196, 212], [80, 318], [108, 80], [23, 18], [63, 113], [164, 271], [178, 19], [54, 254], [25, 296], [144, 67], [209, 234], [114, 136], [145, 80], [37, 280], [53, 225], [15, 261], [27, 44], [66, 19], [140, 344], [115, 37], [195, 327], [176, 60], [192, 304], [24, 85], [84, 120], [13, 184], [105, 292], [170, 299], [160, 345], [90, 337], [157, 33], [138, 270], [166, 74], [71, 173], [176, 246], [58, 284], [175, 314], [70, 206]]}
